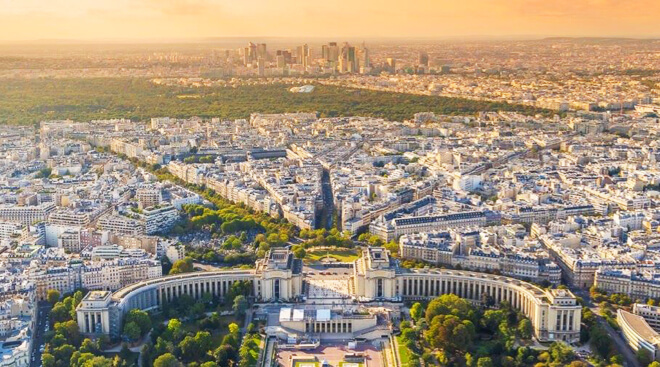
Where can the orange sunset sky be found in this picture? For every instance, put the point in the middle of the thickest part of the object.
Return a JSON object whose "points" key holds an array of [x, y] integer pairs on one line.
{"points": [[167, 19]]}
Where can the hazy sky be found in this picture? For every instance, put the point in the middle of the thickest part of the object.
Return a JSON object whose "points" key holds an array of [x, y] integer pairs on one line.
{"points": [[135, 19]]}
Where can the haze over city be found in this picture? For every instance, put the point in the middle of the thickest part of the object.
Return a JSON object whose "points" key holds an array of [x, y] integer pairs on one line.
{"points": [[183, 19]]}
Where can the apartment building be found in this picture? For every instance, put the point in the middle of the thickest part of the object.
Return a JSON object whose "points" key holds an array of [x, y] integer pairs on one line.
{"points": [[26, 215], [121, 225], [159, 219], [148, 197]]}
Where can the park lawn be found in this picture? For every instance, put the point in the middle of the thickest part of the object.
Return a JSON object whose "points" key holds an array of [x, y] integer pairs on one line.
{"points": [[342, 255], [403, 352], [307, 364]]}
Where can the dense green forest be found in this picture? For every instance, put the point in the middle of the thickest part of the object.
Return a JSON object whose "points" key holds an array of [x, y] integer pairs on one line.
{"points": [[28, 101]]}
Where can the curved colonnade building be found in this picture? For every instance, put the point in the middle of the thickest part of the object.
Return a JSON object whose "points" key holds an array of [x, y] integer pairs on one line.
{"points": [[555, 314]]}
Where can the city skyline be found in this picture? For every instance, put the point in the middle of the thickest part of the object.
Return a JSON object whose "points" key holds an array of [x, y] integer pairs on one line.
{"points": [[289, 183], [186, 19]]}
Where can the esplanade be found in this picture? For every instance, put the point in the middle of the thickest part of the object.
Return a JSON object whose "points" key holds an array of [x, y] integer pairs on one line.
{"points": [[375, 277]]}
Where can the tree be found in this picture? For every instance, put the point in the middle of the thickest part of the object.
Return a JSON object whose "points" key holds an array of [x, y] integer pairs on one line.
{"points": [[97, 361], [416, 311], [469, 360], [233, 328], [204, 342], [450, 333], [240, 305], [654, 364], [47, 360], [561, 353], [132, 331], [525, 355], [52, 296], [167, 360], [492, 319], [449, 304], [147, 353], [141, 319], [485, 362], [70, 331], [600, 341], [163, 346], [59, 312], [194, 347], [174, 327], [644, 356], [77, 298], [617, 359], [233, 338], [184, 265], [525, 329], [224, 354], [64, 352], [103, 342], [507, 361], [487, 300], [88, 346], [298, 251], [408, 334], [188, 348]]}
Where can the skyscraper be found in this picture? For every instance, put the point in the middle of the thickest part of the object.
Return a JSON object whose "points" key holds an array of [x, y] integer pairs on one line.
{"points": [[391, 65], [262, 51], [303, 55], [423, 59], [250, 53], [333, 52], [348, 61], [365, 62]]}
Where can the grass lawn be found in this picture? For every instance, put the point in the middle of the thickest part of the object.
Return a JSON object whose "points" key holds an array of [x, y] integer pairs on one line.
{"points": [[403, 352], [342, 255], [307, 364]]}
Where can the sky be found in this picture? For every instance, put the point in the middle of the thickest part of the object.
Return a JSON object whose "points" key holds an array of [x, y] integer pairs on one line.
{"points": [[181, 19]]}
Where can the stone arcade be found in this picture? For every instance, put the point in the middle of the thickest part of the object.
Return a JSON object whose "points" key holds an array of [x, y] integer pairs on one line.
{"points": [[375, 277]]}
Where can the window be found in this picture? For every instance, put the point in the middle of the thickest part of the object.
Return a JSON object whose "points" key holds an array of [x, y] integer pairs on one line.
{"points": [[379, 292]]}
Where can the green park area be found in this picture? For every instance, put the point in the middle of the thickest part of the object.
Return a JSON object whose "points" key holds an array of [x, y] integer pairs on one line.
{"points": [[350, 364], [29, 101], [307, 364], [404, 355], [340, 255]]}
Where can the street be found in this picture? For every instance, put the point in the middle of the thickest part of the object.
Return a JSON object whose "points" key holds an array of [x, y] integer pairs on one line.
{"points": [[630, 359], [40, 328]]}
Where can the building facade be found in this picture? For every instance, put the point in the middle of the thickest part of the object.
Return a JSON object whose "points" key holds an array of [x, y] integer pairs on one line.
{"points": [[555, 314], [637, 332]]}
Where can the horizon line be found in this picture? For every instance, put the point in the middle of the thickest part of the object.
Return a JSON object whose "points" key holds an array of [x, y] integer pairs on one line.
{"points": [[206, 39]]}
